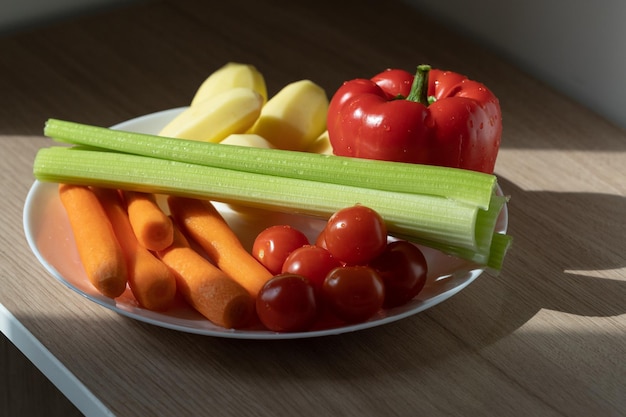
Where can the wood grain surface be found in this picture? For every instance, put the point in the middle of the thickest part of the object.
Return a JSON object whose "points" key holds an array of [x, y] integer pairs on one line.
{"points": [[545, 337]]}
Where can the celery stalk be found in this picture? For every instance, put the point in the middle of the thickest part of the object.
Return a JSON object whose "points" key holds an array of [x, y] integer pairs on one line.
{"points": [[422, 217], [500, 244], [461, 185]]}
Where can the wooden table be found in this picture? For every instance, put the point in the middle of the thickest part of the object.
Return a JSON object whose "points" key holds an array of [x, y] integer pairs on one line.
{"points": [[546, 337]]}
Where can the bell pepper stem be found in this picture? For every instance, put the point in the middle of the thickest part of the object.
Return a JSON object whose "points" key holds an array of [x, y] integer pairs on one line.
{"points": [[419, 88]]}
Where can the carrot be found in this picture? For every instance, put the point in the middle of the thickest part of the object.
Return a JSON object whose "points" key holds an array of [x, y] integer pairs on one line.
{"points": [[205, 287], [150, 280], [151, 225], [98, 248], [207, 227]]}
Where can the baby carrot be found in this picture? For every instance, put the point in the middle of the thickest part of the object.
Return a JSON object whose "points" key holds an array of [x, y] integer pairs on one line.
{"points": [[207, 227], [99, 251], [153, 228], [205, 287], [150, 280]]}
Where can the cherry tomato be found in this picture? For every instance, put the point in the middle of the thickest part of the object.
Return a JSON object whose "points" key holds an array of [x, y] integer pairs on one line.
{"points": [[353, 293], [286, 303], [403, 269], [321, 240], [355, 235], [312, 262], [272, 246]]}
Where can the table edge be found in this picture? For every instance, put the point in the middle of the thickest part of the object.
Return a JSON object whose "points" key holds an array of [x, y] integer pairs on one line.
{"points": [[65, 381]]}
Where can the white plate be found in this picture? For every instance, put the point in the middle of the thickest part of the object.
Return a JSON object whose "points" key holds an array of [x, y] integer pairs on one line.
{"points": [[50, 238]]}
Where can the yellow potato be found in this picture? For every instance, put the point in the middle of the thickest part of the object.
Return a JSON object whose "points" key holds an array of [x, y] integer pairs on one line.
{"points": [[294, 117], [212, 120]]}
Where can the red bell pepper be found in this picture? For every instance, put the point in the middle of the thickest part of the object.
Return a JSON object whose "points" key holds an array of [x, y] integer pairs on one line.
{"points": [[435, 117]]}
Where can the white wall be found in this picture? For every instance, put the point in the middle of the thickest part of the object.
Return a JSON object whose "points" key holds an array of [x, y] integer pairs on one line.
{"points": [[577, 46]]}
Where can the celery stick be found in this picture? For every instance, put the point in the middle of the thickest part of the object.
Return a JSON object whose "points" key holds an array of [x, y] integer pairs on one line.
{"points": [[464, 186], [423, 217], [487, 220], [500, 244], [491, 257]]}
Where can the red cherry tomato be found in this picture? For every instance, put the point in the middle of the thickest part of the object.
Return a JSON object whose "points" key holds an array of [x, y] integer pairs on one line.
{"points": [[355, 235], [286, 303], [353, 293], [403, 269], [312, 262], [272, 246], [321, 240]]}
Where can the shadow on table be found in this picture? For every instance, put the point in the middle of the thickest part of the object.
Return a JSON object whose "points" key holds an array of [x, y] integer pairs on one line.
{"points": [[557, 263], [552, 262]]}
